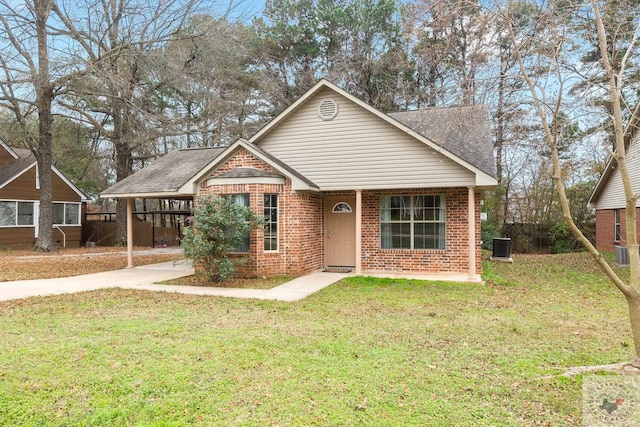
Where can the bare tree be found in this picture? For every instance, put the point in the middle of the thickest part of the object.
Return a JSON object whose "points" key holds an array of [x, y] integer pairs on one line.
{"points": [[28, 89], [548, 78], [119, 46]]}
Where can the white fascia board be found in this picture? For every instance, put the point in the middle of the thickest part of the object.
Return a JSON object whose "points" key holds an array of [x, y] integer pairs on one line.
{"points": [[602, 181], [158, 195], [485, 180], [9, 149], [83, 197], [17, 175]]}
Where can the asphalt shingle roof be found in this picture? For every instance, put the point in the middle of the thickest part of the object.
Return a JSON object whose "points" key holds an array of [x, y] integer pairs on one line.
{"points": [[463, 131], [10, 170], [168, 173]]}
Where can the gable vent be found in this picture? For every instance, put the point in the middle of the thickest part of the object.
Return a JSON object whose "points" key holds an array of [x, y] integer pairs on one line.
{"points": [[328, 109]]}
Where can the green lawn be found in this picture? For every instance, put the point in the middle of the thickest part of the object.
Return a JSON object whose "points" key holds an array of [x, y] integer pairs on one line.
{"points": [[361, 352]]}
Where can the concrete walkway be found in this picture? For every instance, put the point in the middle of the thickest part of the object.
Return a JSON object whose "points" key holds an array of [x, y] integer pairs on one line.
{"points": [[146, 278]]}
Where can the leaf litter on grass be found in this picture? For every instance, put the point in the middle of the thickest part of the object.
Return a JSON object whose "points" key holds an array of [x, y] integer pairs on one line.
{"points": [[28, 265]]}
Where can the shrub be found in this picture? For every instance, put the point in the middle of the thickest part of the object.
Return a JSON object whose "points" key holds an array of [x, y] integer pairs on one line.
{"points": [[218, 226]]}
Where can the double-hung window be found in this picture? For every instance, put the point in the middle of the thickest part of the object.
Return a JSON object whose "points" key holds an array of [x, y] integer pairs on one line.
{"points": [[14, 213], [270, 222], [412, 222], [616, 215]]}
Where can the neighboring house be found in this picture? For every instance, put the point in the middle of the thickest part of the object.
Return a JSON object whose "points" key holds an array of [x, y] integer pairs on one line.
{"points": [[608, 197], [20, 200], [343, 185]]}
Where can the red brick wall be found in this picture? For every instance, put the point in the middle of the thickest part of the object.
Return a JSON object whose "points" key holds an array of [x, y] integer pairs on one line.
{"points": [[301, 229], [300, 223], [605, 229], [455, 258]]}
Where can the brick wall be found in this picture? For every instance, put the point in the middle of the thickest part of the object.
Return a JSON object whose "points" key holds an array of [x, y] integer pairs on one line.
{"points": [[301, 228], [605, 229], [455, 258], [300, 223]]}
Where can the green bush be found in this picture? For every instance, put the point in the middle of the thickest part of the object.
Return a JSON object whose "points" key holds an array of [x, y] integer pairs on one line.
{"points": [[217, 226], [562, 241]]}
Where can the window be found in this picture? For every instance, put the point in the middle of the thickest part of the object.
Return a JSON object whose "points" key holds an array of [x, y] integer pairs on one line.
{"points": [[270, 222], [14, 213], [8, 214], [412, 222], [66, 214], [341, 207], [25, 213], [616, 214], [241, 200]]}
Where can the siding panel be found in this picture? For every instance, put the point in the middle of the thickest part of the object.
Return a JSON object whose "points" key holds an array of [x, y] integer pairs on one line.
{"points": [[357, 150], [612, 196], [24, 188]]}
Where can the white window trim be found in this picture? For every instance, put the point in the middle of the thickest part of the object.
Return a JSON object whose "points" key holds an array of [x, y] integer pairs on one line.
{"points": [[617, 228], [412, 197], [16, 202], [35, 215], [79, 224], [273, 251]]}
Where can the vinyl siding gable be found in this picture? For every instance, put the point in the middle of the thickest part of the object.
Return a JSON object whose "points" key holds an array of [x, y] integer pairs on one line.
{"points": [[357, 150], [612, 196]]}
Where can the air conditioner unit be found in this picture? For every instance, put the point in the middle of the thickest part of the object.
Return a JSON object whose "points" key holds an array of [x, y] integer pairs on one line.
{"points": [[622, 256]]}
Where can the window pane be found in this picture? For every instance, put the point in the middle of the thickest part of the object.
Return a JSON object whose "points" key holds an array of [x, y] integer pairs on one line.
{"points": [[395, 236], [25, 213], [429, 236], [72, 212], [7, 213], [270, 213], [58, 213], [241, 200]]}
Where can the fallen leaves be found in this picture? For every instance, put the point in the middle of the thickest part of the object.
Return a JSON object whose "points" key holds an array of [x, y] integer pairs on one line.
{"points": [[26, 265]]}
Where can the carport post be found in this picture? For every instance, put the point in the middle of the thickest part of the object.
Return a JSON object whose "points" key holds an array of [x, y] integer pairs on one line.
{"points": [[129, 233], [472, 232]]}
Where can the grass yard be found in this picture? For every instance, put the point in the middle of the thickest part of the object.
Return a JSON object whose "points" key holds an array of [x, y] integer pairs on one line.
{"points": [[361, 352]]}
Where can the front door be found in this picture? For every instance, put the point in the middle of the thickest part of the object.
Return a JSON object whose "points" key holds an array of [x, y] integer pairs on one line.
{"points": [[340, 231]]}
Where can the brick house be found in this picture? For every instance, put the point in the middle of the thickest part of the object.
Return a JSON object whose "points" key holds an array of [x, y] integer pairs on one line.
{"points": [[345, 186], [20, 199], [608, 197]]}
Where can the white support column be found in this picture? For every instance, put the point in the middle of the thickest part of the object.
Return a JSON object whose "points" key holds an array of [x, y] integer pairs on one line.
{"points": [[129, 233], [472, 233], [358, 231]]}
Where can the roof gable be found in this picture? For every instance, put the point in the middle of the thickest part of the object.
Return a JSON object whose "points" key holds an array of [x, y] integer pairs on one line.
{"points": [[301, 130], [298, 181]]}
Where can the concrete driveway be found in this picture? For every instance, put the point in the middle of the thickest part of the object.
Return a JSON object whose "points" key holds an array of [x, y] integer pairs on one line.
{"points": [[147, 277]]}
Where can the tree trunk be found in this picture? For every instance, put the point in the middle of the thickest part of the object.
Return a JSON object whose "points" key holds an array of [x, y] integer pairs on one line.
{"points": [[124, 167], [634, 316], [44, 93]]}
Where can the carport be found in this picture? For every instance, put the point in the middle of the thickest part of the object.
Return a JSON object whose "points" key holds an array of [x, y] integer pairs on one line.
{"points": [[174, 176]]}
